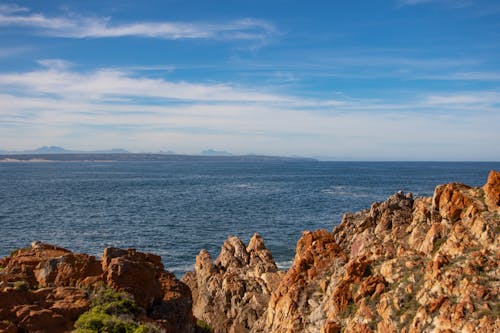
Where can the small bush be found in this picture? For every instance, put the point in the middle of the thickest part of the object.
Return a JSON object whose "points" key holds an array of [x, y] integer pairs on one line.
{"points": [[146, 329], [203, 327], [111, 312]]}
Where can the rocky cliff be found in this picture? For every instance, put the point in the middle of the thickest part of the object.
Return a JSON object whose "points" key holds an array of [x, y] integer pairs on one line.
{"points": [[45, 288], [404, 265]]}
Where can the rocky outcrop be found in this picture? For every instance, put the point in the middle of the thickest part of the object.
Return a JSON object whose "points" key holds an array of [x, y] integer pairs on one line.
{"points": [[403, 265], [231, 293], [45, 288]]}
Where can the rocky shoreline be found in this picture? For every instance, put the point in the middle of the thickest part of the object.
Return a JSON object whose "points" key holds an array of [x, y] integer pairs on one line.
{"points": [[403, 265]]}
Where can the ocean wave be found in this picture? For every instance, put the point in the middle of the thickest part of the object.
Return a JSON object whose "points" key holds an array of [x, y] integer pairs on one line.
{"points": [[284, 265]]}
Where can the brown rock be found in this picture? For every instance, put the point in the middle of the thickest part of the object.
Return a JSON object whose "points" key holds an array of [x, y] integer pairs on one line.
{"points": [[332, 327], [38, 320], [492, 191], [232, 294], [29, 308], [370, 285], [135, 273], [7, 327]]}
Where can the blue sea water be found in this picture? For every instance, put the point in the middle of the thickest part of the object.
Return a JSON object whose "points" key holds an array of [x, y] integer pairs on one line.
{"points": [[176, 208]]}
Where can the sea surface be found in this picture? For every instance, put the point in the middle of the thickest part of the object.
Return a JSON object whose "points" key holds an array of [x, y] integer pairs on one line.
{"points": [[176, 208]]}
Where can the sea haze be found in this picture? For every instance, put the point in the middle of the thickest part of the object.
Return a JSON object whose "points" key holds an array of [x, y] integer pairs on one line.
{"points": [[175, 208]]}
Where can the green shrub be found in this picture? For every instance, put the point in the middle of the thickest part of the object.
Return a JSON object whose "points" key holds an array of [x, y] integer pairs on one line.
{"points": [[203, 327], [437, 244], [21, 285], [146, 329], [111, 312]]}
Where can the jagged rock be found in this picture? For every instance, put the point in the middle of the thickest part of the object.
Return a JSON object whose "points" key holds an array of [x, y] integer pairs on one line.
{"points": [[232, 293], [174, 312], [42, 288], [404, 265], [492, 191]]}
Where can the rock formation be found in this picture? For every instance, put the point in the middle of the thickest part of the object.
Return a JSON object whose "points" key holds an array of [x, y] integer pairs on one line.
{"points": [[404, 265], [232, 293], [46, 288]]}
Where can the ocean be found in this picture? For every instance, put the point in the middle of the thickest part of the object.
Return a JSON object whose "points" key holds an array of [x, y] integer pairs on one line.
{"points": [[176, 208]]}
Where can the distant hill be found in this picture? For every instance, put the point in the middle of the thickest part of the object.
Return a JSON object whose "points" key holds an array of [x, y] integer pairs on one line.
{"points": [[54, 150], [50, 150]]}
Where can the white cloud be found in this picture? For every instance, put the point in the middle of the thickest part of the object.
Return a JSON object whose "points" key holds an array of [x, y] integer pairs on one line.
{"points": [[110, 108], [12, 8], [105, 83], [465, 100], [75, 26]]}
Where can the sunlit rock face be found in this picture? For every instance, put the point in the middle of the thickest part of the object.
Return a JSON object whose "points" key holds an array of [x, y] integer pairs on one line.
{"points": [[403, 265], [232, 293], [45, 288]]}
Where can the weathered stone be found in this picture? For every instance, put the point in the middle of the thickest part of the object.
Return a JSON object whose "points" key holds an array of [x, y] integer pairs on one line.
{"points": [[233, 293], [127, 270], [492, 191], [41, 288]]}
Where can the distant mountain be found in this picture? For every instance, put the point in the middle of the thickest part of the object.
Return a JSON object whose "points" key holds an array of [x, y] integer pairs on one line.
{"points": [[50, 150], [54, 150], [212, 152], [168, 152]]}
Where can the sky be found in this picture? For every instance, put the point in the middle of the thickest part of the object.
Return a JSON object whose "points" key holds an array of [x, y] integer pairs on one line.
{"points": [[340, 80]]}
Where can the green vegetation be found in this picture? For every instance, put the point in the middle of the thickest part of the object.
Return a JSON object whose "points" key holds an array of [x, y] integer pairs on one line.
{"points": [[111, 312], [203, 327], [437, 244], [21, 285]]}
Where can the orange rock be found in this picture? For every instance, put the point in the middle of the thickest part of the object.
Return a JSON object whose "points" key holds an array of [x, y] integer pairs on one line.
{"points": [[332, 327], [369, 285], [135, 273], [436, 304], [492, 190]]}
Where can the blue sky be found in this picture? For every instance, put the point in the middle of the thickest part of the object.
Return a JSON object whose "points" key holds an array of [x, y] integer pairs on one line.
{"points": [[350, 80]]}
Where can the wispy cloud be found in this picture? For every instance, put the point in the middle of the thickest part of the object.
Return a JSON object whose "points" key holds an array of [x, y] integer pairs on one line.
{"points": [[76, 26], [478, 100], [464, 76], [9, 52], [414, 2], [102, 84], [448, 3], [57, 104]]}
